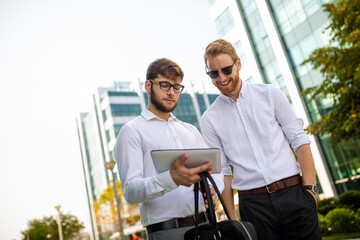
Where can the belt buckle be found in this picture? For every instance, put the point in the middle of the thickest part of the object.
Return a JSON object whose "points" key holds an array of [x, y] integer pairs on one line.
{"points": [[268, 189]]}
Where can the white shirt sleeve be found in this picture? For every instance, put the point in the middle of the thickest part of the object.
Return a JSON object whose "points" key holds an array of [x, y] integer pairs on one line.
{"points": [[292, 126], [130, 161]]}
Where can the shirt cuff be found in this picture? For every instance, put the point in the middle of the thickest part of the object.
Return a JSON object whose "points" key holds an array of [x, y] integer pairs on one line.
{"points": [[166, 181]]}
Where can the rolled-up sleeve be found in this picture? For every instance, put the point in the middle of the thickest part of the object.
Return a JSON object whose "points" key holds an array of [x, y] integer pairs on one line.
{"points": [[292, 126]]}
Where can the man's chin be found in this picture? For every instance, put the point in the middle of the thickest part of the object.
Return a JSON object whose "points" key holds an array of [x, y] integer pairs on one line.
{"points": [[167, 109]]}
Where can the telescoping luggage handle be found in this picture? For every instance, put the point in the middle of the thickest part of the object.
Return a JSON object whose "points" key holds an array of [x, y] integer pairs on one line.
{"points": [[207, 195]]}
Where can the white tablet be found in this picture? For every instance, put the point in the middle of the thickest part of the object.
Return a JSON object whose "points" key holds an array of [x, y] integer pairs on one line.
{"points": [[163, 159]]}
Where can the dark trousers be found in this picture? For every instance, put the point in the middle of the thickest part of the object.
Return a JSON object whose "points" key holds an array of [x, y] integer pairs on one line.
{"points": [[287, 214]]}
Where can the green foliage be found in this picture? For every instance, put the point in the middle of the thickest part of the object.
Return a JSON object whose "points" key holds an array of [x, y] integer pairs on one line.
{"points": [[357, 221], [342, 236], [350, 199], [47, 228], [324, 225], [340, 65], [341, 220], [326, 205]]}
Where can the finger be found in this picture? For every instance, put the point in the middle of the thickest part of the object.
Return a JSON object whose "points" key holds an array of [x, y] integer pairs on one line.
{"points": [[201, 168], [181, 160]]}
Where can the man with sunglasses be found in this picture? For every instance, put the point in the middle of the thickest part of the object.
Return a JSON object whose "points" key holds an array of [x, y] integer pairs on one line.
{"points": [[254, 126], [166, 200]]}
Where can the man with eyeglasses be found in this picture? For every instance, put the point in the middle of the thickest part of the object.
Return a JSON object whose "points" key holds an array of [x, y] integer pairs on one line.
{"points": [[166, 200], [254, 126]]}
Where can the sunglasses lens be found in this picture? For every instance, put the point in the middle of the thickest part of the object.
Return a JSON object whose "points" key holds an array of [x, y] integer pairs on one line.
{"points": [[227, 70], [214, 74]]}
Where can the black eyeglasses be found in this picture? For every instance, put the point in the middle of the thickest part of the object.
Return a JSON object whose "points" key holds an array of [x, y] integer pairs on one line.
{"points": [[166, 86], [225, 70]]}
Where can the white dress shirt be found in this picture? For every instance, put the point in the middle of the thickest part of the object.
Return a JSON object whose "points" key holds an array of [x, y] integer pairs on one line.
{"points": [[158, 196], [253, 135]]}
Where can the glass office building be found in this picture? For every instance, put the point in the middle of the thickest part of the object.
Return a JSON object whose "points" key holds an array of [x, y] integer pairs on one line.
{"points": [[98, 129], [273, 38]]}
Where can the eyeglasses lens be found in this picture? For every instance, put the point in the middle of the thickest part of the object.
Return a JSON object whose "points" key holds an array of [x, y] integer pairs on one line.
{"points": [[166, 87]]}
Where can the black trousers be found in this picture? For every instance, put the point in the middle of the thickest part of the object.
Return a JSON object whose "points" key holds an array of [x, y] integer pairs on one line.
{"points": [[286, 214]]}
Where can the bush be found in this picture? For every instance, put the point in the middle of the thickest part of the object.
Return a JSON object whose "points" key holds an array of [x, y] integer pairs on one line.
{"points": [[326, 205], [324, 225], [350, 199], [357, 221], [341, 220]]}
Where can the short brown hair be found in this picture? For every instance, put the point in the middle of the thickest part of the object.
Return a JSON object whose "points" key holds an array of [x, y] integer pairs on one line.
{"points": [[220, 46], [164, 67]]}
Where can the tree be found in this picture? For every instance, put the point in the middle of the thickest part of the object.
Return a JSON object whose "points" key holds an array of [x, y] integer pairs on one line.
{"points": [[107, 199], [339, 62], [47, 228]]}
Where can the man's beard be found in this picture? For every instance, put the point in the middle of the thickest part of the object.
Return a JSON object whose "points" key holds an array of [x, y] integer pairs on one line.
{"points": [[158, 104]]}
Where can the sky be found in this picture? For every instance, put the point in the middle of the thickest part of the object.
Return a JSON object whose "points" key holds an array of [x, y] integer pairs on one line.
{"points": [[53, 56]]}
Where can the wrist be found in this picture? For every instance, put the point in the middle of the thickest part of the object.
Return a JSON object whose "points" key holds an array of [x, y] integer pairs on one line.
{"points": [[312, 188]]}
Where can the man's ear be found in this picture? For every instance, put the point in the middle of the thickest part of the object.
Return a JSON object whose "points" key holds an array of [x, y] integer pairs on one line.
{"points": [[238, 64], [147, 86]]}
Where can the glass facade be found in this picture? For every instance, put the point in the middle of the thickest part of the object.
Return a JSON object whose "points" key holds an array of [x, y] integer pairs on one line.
{"points": [[211, 2], [301, 26], [224, 22], [93, 155], [185, 110], [262, 46], [240, 51], [120, 110]]}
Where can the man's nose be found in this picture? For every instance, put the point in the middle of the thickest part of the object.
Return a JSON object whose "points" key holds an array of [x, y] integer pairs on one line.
{"points": [[222, 76], [171, 90]]}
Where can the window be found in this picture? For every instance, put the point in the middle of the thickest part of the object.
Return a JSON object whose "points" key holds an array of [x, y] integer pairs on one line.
{"points": [[120, 110], [224, 23], [211, 2], [240, 51]]}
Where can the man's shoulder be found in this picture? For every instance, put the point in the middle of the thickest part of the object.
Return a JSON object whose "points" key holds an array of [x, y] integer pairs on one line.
{"points": [[260, 86], [133, 124], [263, 89], [213, 106], [134, 121]]}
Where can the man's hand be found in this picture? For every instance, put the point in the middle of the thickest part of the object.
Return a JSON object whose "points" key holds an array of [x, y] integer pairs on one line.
{"points": [[313, 194], [214, 197], [182, 175]]}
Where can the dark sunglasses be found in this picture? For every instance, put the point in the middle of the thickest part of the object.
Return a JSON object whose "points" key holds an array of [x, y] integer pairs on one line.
{"points": [[225, 70], [166, 86]]}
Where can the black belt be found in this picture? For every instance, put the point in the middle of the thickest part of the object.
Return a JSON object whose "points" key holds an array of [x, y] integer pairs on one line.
{"points": [[176, 223]]}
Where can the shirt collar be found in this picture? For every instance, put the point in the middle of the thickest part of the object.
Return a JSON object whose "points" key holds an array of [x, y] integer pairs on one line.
{"points": [[149, 115], [244, 87], [242, 93]]}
